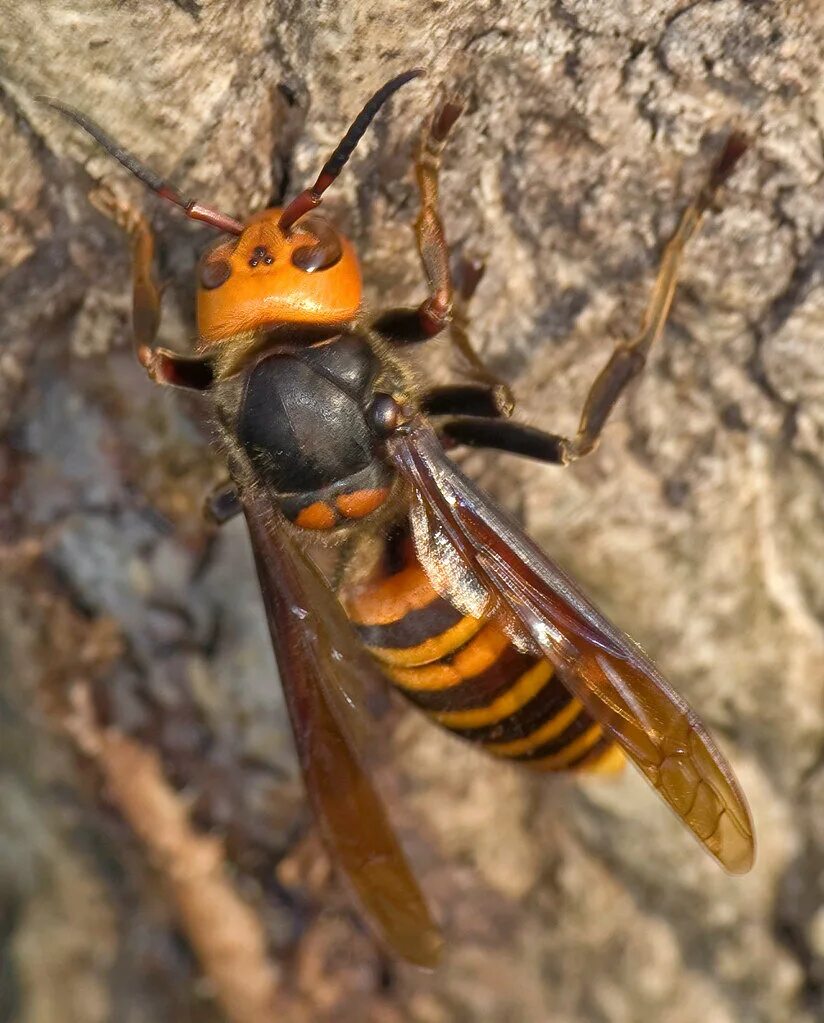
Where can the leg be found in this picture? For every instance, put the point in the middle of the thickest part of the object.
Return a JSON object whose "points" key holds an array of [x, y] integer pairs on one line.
{"points": [[403, 326], [223, 503], [629, 357], [503, 435], [163, 366], [626, 361], [488, 396], [467, 400], [468, 277]]}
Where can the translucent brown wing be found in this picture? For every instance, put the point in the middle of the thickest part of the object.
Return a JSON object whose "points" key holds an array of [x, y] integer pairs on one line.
{"points": [[478, 558], [321, 667]]}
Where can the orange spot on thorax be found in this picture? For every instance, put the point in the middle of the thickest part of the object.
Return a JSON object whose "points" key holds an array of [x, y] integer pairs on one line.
{"points": [[361, 503], [319, 515]]}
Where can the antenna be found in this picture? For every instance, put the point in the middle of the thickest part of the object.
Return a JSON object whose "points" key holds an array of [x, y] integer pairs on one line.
{"points": [[194, 209], [311, 197]]}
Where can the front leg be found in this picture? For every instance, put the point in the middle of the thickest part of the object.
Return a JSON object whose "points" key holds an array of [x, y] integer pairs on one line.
{"points": [[163, 366], [403, 326]]}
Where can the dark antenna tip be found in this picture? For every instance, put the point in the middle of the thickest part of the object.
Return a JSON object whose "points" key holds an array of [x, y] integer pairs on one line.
{"points": [[140, 171], [309, 198], [194, 209]]}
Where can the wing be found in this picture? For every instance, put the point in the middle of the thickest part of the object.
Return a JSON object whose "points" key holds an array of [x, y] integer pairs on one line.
{"points": [[478, 558], [321, 666]]}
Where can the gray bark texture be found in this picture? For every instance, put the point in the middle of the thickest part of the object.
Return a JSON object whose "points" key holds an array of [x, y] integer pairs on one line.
{"points": [[157, 859]]}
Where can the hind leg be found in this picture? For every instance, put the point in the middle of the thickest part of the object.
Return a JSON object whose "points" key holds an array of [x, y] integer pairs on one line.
{"points": [[626, 362], [629, 357]]}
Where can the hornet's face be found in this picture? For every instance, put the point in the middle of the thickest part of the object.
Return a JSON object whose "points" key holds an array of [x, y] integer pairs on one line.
{"points": [[306, 281], [286, 273]]}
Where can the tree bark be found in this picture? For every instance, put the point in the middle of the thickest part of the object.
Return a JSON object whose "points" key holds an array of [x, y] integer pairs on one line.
{"points": [[697, 524]]}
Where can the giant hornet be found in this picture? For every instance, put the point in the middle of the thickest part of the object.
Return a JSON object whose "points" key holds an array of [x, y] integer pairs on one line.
{"points": [[327, 435]]}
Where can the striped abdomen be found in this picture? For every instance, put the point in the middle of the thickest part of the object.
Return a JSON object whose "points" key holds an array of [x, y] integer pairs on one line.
{"points": [[466, 675]]}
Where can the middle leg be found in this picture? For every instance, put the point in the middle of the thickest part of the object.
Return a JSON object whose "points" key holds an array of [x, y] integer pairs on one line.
{"points": [[468, 276], [485, 394]]}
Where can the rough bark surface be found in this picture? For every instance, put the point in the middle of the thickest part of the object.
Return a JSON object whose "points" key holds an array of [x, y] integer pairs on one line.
{"points": [[697, 524]]}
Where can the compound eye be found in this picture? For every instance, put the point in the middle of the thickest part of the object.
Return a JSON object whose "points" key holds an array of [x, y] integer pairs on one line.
{"points": [[214, 273], [214, 268], [325, 250]]}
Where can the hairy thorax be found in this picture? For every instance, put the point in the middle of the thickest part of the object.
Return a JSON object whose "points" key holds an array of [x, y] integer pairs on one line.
{"points": [[302, 424]]}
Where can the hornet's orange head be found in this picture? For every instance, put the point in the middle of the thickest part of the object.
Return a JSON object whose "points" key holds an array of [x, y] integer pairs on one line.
{"points": [[302, 284], [286, 275]]}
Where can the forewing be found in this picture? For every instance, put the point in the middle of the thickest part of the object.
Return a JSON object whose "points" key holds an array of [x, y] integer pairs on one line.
{"points": [[319, 661], [480, 559]]}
